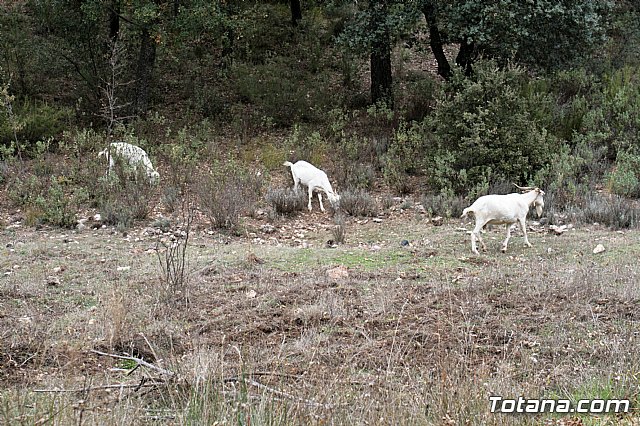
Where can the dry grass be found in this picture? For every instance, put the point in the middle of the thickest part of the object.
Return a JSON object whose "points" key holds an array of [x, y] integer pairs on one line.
{"points": [[415, 335]]}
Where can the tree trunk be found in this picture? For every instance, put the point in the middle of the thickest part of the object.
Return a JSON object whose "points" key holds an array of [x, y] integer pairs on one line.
{"points": [[466, 56], [176, 8], [381, 79], [114, 21], [296, 12], [435, 41], [144, 73]]}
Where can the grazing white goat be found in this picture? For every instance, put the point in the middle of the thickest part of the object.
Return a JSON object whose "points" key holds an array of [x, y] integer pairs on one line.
{"points": [[134, 155], [314, 179], [504, 210]]}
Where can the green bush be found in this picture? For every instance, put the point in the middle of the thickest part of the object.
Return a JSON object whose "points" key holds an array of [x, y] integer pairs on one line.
{"points": [[488, 128], [32, 121], [48, 201], [624, 179], [572, 172], [307, 145], [58, 208], [403, 157], [613, 115], [282, 93], [124, 196], [420, 98]]}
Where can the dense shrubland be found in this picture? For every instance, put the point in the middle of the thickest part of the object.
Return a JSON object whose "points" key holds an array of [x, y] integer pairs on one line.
{"points": [[202, 84]]}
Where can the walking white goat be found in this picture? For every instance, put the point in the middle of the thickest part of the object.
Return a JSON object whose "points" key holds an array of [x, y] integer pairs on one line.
{"points": [[314, 179], [504, 210], [134, 156]]}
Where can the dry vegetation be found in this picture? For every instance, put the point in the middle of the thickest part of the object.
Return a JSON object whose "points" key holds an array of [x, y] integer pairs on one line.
{"points": [[267, 334]]}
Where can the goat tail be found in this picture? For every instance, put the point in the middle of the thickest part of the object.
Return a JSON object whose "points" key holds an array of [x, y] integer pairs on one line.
{"points": [[466, 211], [287, 163]]}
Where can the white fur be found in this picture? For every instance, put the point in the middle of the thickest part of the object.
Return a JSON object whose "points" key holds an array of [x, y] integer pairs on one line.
{"points": [[504, 210], [134, 155], [314, 179]]}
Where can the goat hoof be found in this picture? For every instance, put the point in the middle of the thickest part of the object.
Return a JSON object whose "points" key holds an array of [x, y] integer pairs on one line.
{"points": [[503, 249]]}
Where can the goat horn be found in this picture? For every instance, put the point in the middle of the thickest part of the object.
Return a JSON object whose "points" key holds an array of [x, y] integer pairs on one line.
{"points": [[524, 188]]}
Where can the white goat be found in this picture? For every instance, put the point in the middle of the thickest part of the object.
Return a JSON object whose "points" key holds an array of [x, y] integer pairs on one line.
{"points": [[314, 179], [504, 210], [134, 155]]}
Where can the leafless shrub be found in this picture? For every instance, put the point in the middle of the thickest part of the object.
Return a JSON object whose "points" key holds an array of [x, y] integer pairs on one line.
{"points": [[172, 257], [286, 201], [587, 207], [444, 205], [339, 230], [124, 196], [358, 203], [226, 194], [614, 211]]}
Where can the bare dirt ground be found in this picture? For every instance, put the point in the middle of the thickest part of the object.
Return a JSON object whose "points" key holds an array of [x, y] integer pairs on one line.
{"points": [[277, 328]]}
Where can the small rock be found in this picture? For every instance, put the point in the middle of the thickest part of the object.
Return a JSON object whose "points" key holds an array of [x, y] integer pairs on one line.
{"points": [[251, 294], [53, 281], [377, 220], [404, 243], [599, 249], [123, 268], [437, 221], [252, 258], [268, 229], [375, 247], [97, 217], [558, 230], [338, 273], [331, 244]]}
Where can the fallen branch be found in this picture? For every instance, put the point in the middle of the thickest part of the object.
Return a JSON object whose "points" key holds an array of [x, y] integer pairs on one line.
{"points": [[262, 373], [138, 361], [277, 391], [101, 387], [288, 396]]}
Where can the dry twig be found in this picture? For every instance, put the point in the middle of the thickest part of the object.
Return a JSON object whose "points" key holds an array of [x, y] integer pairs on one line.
{"points": [[136, 386], [138, 361]]}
